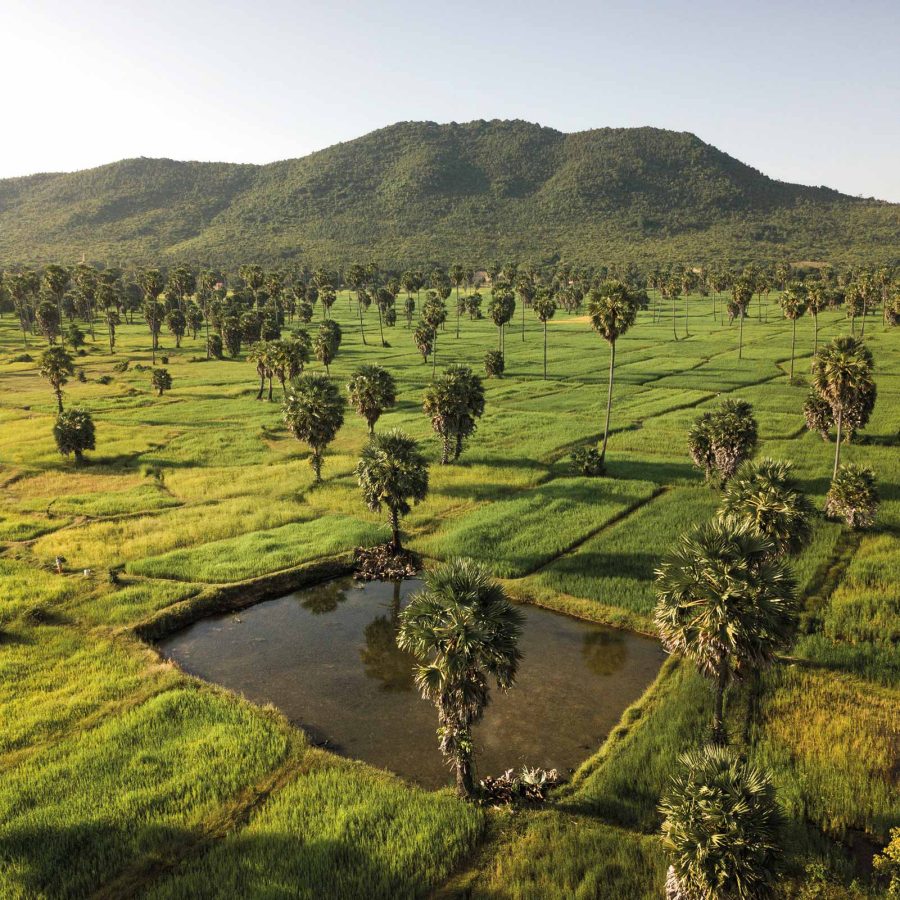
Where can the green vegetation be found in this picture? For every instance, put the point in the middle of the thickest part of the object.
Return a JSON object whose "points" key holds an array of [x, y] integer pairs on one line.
{"points": [[418, 190], [123, 775]]}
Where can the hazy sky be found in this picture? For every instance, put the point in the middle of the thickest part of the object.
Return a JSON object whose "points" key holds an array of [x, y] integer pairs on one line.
{"points": [[806, 92]]}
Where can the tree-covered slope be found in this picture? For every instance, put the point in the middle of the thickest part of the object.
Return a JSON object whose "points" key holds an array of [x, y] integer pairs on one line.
{"points": [[418, 191]]}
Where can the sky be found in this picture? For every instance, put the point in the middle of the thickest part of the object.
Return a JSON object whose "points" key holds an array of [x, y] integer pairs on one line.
{"points": [[803, 91]]}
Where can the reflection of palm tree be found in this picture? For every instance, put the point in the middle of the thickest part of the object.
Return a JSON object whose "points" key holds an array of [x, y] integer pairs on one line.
{"points": [[604, 652], [324, 598], [383, 659]]}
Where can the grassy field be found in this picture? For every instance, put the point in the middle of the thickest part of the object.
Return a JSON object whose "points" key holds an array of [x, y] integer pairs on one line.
{"points": [[123, 776]]}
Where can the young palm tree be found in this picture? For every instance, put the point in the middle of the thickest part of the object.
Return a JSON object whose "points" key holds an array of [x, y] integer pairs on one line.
{"points": [[74, 433], [161, 381], [726, 601], [612, 309], [721, 827], [392, 472], [842, 372], [327, 342], [57, 366], [313, 412], [372, 390], [765, 495], [544, 309], [793, 305], [464, 632], [453, 402], [853, 496]]}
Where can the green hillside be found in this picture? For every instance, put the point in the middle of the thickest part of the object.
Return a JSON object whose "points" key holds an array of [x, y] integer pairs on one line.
{"points": [[418, 191]]}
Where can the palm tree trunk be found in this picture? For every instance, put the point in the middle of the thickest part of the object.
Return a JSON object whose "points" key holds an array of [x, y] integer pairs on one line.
{"points": [[317, 464], [434, 354], [612, 363], [815, 337], [741, 337], [523, 319], [545, 350], [862, 331], [445, 449], [793, 342], [687, 317], [674, 319], [59, 405], [262, 386], [465, 782], [837, 447], [395, 530], [457, 310], [719, 736]]}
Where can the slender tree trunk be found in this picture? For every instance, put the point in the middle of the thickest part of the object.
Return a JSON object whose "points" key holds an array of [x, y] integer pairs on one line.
{"points": [[523, 319], [457, 310], [545, 350], [837, 446], [741, 337], [395, 530], [687, 317], [262, 386], [674, 318], [434, 354], [58, 392], [815, 337], [862, 331], [719, 736], [317, 464], [362, 329], [793, 343], [612, 363], [445, 449], [270, 389], [381, 326]]}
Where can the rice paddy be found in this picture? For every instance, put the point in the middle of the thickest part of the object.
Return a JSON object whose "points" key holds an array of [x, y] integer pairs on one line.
{"points": [[124, 776]]}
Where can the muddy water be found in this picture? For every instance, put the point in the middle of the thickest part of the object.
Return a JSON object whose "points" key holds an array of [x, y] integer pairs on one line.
{"points": [[327, 657]]}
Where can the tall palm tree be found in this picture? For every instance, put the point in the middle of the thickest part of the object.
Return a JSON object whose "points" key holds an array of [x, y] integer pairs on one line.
{"points": [[457, 276], [766, 495], [372, 390], [721, 828], [260, 354], [842, 371], [57, 366], [544, 309], [327, 342], [392, 472], [464, 632], [314, 412], [816, 301], [612, 309], [726, 601], [55, 282], [434, 314], [793, 305], [741, 295], [501, 309]]}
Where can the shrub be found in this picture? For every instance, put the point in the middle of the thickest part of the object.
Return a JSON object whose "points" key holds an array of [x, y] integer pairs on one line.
{"points": [[853, 496], [164, 360], [22, 357], [161, 381], [494, 364], [587, 461], [74, 432], [104, 379], [121, 366]]}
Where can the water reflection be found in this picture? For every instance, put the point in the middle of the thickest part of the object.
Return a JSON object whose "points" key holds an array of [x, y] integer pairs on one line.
{"points": [[604, 652], [327, 657]]}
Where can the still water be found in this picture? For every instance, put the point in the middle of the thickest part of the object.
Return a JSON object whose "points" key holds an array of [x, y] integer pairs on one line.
{"points": [[327, 657]]}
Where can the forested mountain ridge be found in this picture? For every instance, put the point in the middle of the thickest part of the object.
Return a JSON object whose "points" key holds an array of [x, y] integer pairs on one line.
{"points": [[418, 191]]}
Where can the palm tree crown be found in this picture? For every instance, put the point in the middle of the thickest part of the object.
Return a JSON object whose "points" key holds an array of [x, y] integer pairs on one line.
{"points": [[57, 366], [721, 828], [453, 402], [766, 496]]}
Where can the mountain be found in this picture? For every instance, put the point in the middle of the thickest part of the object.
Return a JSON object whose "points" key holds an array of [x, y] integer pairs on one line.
{"points": [[418, 191]]}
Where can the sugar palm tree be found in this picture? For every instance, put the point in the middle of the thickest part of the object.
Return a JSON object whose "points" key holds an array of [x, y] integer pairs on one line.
{"points": [[765, 494], [853, 496], [314, 412], [501, 309], [741, 295], [57, 366], [612, 309], [74, 433], [457, 275], [544, 309], [453, 402], [55, 282], [392, 472], [816, 301], [434, 314], [372, 390], [726, 602], [260, 354], [842, 371], [793, 305], [464, 632], [327, 343], [721, 828]]}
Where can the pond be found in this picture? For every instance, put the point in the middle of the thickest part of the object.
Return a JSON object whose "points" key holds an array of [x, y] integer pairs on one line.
{"points": [[327, 657]]}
